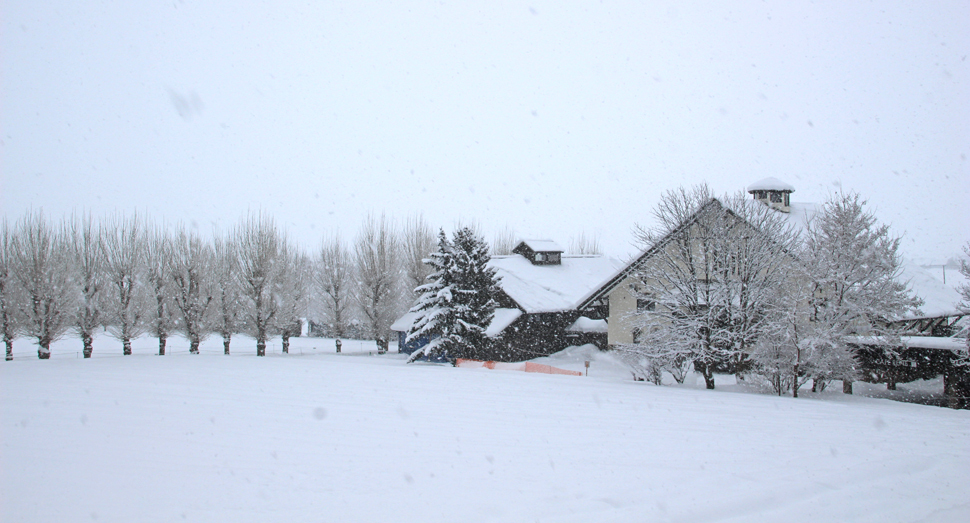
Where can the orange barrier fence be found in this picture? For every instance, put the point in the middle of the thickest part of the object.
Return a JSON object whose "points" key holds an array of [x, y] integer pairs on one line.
{"points": [[526, 366]]}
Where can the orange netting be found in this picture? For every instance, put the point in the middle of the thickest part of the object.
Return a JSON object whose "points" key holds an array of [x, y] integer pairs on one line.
{"points": [[526, 366]]}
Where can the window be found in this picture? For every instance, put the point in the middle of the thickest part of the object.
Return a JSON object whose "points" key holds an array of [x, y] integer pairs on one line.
{"points": [[646, 305], [775, 197], [540, 256]]}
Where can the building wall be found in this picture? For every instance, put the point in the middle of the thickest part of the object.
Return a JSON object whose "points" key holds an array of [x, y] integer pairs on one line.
{"points": [[622, 305]]}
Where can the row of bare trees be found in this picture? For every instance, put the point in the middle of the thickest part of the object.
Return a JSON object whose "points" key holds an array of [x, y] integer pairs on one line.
{"points": [[130, 276]]}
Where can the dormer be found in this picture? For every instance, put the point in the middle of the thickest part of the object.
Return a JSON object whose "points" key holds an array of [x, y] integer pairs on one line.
{"points": [[540, 252], [773, 193]]}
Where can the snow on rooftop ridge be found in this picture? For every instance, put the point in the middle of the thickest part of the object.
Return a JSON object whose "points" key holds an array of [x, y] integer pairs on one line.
{"points": [[584, 324], [771, 184], [543, 245]]}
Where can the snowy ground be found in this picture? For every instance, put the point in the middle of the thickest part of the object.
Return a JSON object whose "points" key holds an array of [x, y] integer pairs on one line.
{"points": [[316, 436]]}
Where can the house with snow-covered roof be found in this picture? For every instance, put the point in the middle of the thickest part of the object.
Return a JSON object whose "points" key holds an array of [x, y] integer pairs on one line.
{"points": [[538, 307]]}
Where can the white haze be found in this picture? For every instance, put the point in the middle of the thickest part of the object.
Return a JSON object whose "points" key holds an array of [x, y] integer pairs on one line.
{"points": [[552, 119]]}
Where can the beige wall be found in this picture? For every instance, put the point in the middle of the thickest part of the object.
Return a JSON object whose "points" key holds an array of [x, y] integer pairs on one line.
{"points": [[622, 304]]}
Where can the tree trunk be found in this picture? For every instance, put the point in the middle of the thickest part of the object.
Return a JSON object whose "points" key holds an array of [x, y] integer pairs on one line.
{"points": [[846, 386], [708, 374], [161, 344], [88, 341], [225, 343], [44, 350], [286, 343], [9, 344], [891, 381], [194, 345], [127, 346], [260, 347], [794, 384]]}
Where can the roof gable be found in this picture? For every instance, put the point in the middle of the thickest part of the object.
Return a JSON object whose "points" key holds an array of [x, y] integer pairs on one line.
{"points": [[552, 288]]}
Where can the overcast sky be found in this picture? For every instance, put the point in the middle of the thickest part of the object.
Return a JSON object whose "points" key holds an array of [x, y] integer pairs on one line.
{"points": [[551, 119]]}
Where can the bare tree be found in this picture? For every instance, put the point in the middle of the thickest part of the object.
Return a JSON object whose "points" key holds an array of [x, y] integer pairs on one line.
{"points": [[160, 316], [786, 350], [583, 244], [417, 244], [376, 271], [259, 245], [228, 295], [294, 292], [505, 240], [11, 321], [704, 294], [191, 271], [963, 357], [43, 271], [332, 277], [89, 266], [854, 265], [124, 256]]}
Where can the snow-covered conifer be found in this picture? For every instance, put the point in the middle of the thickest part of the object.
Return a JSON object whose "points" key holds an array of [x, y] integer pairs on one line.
{"points": [[458, 303]]}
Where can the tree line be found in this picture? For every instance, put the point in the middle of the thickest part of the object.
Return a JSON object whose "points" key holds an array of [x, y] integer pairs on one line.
{"points": [[131, 276]]}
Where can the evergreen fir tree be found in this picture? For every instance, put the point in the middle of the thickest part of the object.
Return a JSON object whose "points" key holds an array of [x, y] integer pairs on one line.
{"points": [[458, 303]]}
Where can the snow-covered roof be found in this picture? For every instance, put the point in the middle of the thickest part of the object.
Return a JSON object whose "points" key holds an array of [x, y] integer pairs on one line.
{"points": [[553, 288], [916, 342], [403, 324], [542, 245], [939, 299], [584, 324], [770, 184], [503, 318], [799, 214]]}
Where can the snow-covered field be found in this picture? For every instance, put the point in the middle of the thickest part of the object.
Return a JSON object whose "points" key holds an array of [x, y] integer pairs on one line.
{"points": [[316, 436]]}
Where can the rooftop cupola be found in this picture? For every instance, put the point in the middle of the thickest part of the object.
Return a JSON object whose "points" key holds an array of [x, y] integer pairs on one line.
{"points": [[773, 193], [540, 252]]}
